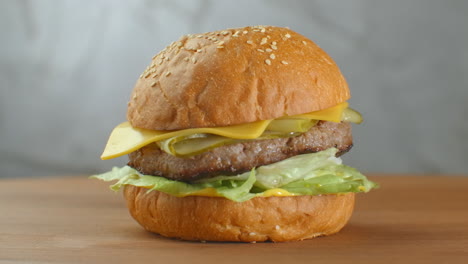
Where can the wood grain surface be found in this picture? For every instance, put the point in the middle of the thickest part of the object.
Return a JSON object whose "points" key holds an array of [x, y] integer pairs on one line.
{"points": [[410, 219]]}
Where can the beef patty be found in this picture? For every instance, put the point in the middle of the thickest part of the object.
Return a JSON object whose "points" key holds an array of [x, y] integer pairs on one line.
{"points": [[241, 157]]}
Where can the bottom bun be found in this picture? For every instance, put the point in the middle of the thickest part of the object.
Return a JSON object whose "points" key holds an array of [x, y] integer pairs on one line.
{"points": [[259, 219]]}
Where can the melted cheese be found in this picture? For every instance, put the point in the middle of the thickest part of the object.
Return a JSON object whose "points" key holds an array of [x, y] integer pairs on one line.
{"points": [[276, 192], [211, 192], [125, 139]]}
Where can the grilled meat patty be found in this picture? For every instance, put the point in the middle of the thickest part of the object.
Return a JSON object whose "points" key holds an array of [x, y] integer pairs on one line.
{"points": [[241, 157]]}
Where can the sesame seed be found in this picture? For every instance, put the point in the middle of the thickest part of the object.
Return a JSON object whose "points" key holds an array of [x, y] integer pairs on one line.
{"points": [[274, 43], [284, 62], [274, 47], [269, 37], [199, 50], [245, 32], [221, 43], [168, 73], [263, 30], [264, 41], [153, 84], [287, 35], [249, 42], [194, 60], [186, 59], [220, 47], [134, 96], [179, 44], [304, 42], [260, 50], [267, 61], [277, 227], [272, 56], [252, 234], [199, 36], [225, 33], [268, 50], [147, 74]]}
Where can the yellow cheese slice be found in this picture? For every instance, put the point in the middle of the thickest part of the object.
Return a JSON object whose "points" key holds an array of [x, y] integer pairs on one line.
{"points": [[125, 139]]}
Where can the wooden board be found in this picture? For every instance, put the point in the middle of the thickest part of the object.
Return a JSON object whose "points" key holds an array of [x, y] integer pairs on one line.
{"points": [[422, 219]]}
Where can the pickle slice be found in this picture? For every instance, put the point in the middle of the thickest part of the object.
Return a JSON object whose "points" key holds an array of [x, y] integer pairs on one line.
{"points": [[351, 115], [193, 145], [291, 125]]}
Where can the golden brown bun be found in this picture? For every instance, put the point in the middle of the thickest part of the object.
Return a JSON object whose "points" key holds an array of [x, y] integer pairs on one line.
{"points": [[235, 76], [259, 219]]}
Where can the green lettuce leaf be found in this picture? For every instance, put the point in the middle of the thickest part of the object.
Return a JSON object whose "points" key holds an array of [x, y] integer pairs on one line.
{"points": [[307, 174]]}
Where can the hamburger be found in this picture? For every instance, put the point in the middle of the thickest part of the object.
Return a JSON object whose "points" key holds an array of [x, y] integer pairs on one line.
{"points": [[235, 135]]}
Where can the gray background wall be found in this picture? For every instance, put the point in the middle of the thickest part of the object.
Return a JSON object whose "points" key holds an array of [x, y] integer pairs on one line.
{"points": [[67, 69]]}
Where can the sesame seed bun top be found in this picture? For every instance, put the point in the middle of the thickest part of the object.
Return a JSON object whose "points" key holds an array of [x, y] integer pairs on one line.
{"points": [[235, 76]]}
